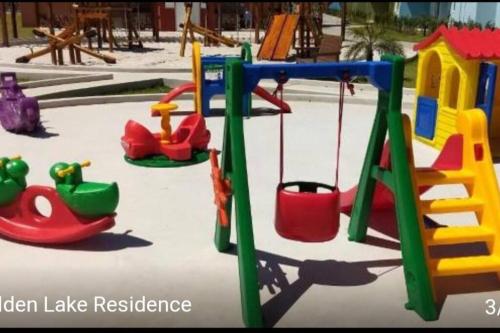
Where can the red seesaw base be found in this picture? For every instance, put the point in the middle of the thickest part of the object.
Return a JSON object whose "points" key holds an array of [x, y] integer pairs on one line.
{"points": [[22, 221]]}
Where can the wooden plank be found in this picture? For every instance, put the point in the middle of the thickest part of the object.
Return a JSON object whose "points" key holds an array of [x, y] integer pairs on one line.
{"points": [[5, 34], [213, 35], [13, 12], [271, 37], [329, 48], [286, 38], [185, 27]]}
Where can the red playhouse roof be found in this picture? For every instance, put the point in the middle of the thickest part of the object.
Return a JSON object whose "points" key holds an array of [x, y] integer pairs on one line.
{"points": [[470, 44]]}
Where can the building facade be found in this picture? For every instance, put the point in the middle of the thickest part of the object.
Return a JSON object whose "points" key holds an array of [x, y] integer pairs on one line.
{"points": [[480, 12], [418, 9], [169, 15]]}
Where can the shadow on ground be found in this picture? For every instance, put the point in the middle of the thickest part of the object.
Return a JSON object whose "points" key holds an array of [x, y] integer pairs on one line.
{"points": [[311, 272], [103, 242], [221, 112], [343, 273], [41, 132]]}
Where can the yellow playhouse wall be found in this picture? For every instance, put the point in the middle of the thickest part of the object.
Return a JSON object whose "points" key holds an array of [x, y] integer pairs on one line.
{"points": [[446, 117]]}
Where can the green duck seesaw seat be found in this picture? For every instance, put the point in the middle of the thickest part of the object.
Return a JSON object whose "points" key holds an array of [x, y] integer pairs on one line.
{"points": [[79, 209]]}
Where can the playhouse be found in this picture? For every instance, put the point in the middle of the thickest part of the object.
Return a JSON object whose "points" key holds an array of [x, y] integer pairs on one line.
{"points": [[457, 71]]}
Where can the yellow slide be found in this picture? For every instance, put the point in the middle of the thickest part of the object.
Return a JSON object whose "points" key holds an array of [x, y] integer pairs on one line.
{"points": [[478, 176]]}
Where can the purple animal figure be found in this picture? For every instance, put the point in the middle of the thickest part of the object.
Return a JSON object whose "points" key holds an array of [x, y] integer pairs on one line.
{"points": [[18, 113]]}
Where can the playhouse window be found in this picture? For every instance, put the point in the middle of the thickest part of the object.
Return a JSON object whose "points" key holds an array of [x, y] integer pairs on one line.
{"points": [[432, 76], [453, 86]]}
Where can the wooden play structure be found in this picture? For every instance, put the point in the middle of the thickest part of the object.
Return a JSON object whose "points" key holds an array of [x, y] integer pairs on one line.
{"points": [[302, 30], [457, 72], [329, 49], [100, 17], [189, 27], [89, 20], [3, 21]]}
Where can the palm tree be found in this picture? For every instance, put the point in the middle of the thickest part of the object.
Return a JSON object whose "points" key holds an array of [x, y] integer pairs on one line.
{"points": [[367, 40]]}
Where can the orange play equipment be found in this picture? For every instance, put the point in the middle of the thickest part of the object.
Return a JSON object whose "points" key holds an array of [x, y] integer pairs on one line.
{"points": [[222, 189], [279, 37], [191, 135]]}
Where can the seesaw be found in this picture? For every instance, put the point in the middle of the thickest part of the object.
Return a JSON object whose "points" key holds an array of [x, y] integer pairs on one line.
{"points": [[79, 209]]}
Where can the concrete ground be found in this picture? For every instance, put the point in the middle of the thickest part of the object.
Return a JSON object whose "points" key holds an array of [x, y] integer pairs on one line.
{"points": [[162, 245]]}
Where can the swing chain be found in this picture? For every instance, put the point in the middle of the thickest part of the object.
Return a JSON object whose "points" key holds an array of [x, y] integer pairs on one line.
{"points": [[281, 82], [346, 79]]}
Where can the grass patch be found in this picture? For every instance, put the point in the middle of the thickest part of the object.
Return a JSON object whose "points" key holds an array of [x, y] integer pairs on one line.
{"points": [[156, 89], [402, 36], [410, 75]]}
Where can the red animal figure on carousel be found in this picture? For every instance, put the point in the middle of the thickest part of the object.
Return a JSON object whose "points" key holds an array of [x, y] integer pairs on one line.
{"points": [[190, 137]]}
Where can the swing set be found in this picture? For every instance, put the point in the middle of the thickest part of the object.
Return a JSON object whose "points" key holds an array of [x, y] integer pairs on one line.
{"points": [[308, 215]]}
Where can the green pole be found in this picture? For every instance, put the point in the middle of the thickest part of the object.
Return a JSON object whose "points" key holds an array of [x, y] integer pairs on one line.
{"points": [[418, 279], [234, 146], [389, 117]]}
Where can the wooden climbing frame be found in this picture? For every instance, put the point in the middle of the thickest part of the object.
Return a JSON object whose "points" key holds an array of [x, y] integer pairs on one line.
{"points": [[308, 28], [67, 38], [95, 20], [3, 21], [300, 29], [189, 27]]}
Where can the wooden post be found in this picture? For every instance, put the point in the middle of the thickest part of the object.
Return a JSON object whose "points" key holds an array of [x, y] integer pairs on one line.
{"points": [[104, 32], [205, 38], [13, 19], [186, 27], [5, 33], [306, 18], [301, 30], [99, 35], [343, 21], [219, 19], [155, 18], [71, 50], [78, 55], [51, 19], [37, 14], [128, 23], [111, 38], [256, 9], [53, 53]]}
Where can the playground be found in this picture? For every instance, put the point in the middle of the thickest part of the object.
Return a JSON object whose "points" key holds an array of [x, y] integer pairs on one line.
{"points": [[161, 250], [265, 186]]}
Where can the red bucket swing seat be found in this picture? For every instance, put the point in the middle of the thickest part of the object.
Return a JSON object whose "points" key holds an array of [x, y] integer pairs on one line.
{"points": [[308, 215]]}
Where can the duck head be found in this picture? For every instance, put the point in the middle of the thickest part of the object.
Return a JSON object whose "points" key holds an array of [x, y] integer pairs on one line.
{"points": [[15, 169], [71, 178]]}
